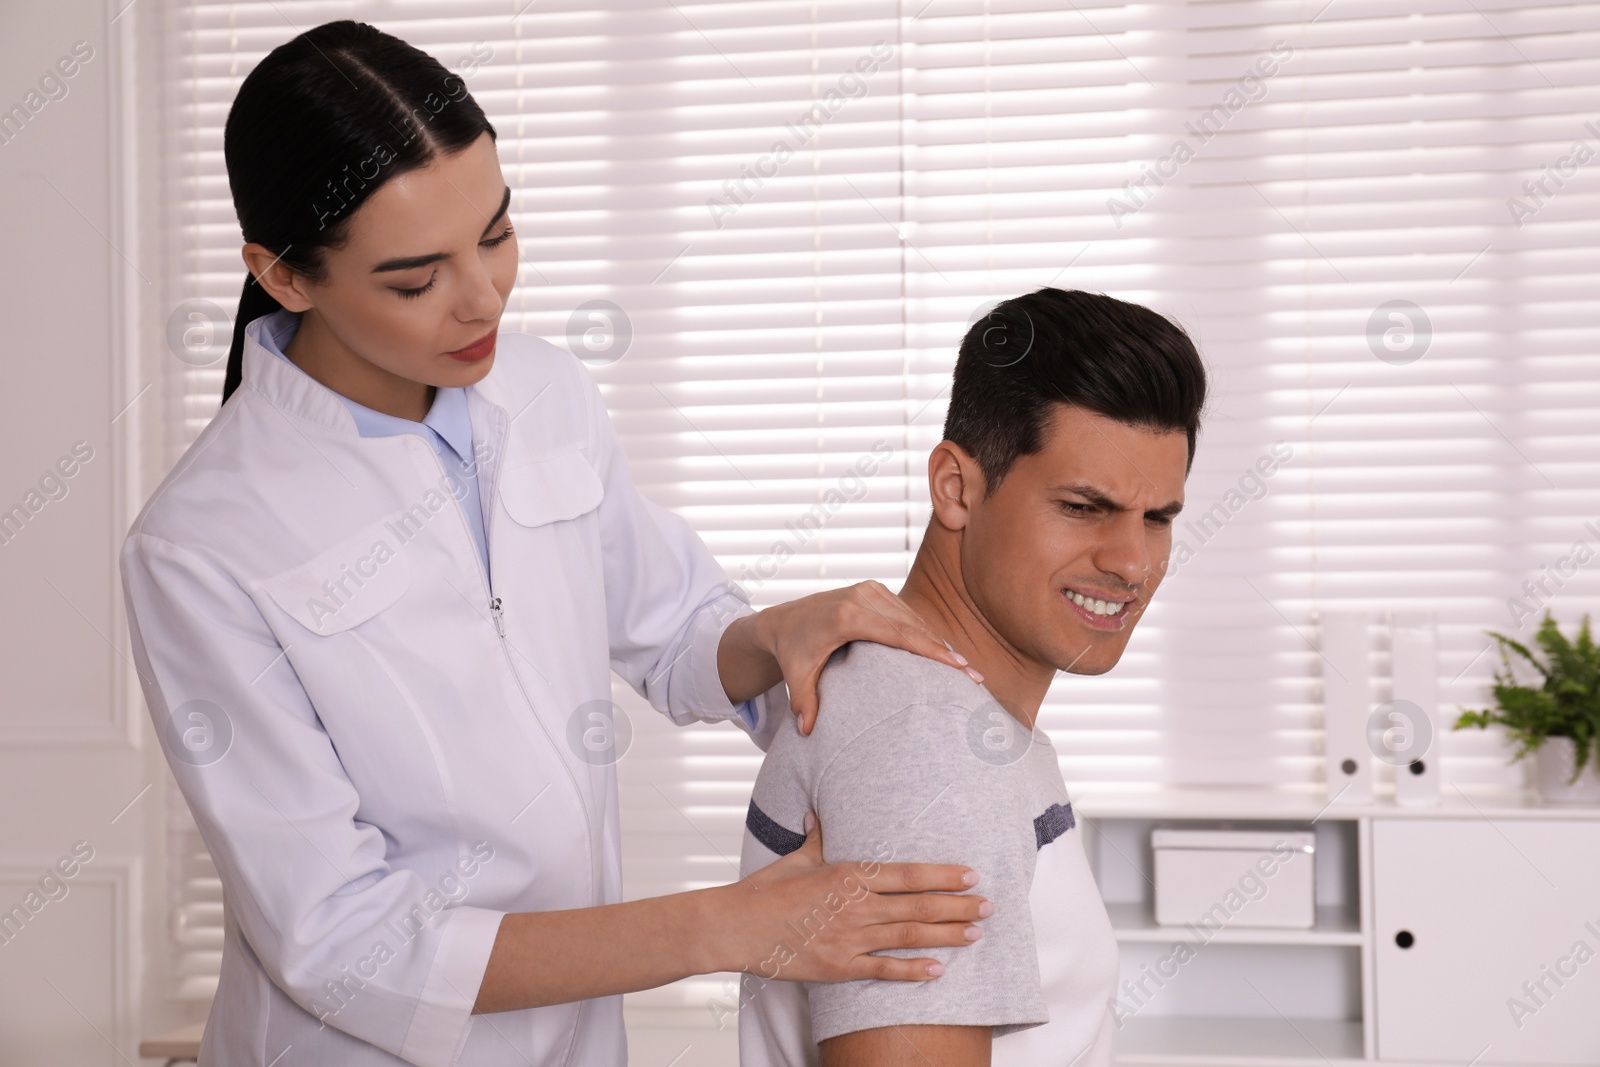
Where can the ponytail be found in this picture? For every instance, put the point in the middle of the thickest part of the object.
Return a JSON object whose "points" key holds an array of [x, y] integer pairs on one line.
{"points": [[254, 302]]}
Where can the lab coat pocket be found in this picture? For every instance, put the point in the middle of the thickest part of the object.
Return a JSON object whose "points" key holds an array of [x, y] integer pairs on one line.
{"points": [[346, 585], [550, 489]]}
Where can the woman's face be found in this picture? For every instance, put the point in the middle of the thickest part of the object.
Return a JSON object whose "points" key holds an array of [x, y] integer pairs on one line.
{"points": [[426, 271]]}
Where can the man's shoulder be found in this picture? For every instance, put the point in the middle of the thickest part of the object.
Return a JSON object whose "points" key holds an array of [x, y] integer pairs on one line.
{"points": [[864, 685], [865, 672]]}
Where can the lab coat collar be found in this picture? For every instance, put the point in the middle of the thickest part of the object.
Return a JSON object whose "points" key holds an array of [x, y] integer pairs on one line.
{"points": [[288, 387], [295, 392], [447, 417]]}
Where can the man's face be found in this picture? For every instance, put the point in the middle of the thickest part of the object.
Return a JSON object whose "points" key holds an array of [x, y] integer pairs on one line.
{"points": [[1064, 556]]}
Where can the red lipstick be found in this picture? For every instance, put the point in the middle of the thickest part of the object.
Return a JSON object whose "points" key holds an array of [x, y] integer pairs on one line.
{"points": [[476, 350]]}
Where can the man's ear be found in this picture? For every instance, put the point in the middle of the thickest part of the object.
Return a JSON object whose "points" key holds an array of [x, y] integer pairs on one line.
{"points": [[955, 484], [273, 275]]}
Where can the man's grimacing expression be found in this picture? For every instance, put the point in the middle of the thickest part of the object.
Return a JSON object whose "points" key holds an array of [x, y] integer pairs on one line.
{"points": [[1087, 518]]}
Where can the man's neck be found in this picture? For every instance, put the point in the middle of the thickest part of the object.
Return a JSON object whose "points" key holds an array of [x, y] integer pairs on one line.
{"points": [[936, 591]]}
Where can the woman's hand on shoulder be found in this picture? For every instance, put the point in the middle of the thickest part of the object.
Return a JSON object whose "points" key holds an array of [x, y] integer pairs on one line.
{"points": [[803, 633]]}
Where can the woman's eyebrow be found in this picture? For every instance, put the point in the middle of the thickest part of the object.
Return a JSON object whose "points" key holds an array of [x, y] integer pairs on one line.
{"points": [[412, 262]]}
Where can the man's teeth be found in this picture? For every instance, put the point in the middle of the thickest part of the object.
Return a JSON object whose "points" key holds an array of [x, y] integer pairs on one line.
{"points": [[1099, 607]]}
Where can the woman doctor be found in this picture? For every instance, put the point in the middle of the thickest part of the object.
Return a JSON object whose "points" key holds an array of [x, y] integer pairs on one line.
{"points": [[376, 605]]}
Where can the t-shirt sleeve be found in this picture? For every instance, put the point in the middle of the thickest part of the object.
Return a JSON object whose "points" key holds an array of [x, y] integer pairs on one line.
{"points": [[916, 787]]}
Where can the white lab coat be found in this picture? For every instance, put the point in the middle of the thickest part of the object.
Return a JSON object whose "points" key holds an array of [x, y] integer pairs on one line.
{"points": [[380, 764]]}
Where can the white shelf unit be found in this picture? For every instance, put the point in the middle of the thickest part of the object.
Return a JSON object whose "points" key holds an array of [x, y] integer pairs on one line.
{"points": [[1488, 888], [1335, 925]]}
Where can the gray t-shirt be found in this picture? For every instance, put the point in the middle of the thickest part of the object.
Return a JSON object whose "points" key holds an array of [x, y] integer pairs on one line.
{"points": [[911, 760]]}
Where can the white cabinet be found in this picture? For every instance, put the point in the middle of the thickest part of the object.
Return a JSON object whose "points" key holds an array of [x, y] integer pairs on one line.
{"points": [[1497, 899], [1487, 940]]}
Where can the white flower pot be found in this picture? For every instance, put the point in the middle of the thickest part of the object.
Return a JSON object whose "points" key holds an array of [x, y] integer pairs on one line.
{"points": [[1553, 762]]}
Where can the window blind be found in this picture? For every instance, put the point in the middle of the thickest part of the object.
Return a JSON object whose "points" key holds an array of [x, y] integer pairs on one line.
{"points": [[1375, 219]]}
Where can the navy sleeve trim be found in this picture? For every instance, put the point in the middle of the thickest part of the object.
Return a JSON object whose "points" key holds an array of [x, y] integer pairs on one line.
{"points": [[1056, 820], [778, 839]]}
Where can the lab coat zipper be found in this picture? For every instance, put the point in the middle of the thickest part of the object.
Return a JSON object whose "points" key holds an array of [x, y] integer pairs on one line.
{"points": [[497, 613]]}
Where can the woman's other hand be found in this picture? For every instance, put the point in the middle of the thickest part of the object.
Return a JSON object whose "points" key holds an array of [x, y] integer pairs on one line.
{"points": [[847, 911]]}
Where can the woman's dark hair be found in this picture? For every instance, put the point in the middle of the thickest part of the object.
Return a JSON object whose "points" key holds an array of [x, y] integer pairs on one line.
{"points": [[319, 124], [1055, 346]]}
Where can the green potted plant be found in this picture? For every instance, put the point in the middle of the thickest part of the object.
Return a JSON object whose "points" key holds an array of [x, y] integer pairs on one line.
{"points": [[1558, 718]]}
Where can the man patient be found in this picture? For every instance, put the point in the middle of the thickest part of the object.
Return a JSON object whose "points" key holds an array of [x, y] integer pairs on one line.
{"points": [[1070, 432]]}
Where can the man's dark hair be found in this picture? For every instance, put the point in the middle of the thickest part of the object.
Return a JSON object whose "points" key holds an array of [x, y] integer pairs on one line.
{"points": [[1055, 346]]}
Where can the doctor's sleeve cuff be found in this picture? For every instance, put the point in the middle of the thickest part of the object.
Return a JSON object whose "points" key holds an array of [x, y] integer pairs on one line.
{"points": [[768, 712], [443, 1017], [760, 715], [748, 712]]}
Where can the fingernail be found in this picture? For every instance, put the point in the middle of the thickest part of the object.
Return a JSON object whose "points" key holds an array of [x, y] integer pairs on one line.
{"points": [[986, 909], [811, 822], [975, 676], [935, 970], [959, 657], [970, 878], [974, 932]]}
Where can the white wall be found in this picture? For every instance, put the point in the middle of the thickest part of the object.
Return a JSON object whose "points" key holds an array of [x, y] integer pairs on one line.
{"points": [[75, 760]]}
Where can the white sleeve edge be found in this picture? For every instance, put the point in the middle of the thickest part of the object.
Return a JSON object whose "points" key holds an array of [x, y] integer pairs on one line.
{"points": [[443, 1018]]}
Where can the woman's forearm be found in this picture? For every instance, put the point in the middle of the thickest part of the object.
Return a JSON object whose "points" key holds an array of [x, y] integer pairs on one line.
{"points": [[553, 957], [855, 909], [746, 667]]}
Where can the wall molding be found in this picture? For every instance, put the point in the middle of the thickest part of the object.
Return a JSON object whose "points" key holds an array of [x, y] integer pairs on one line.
{"points": [[122, 877]]}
